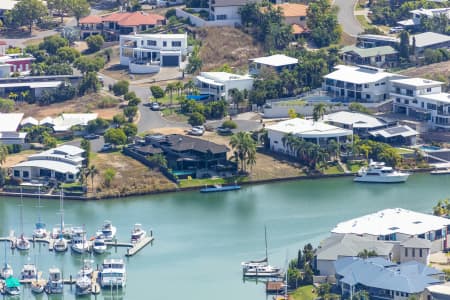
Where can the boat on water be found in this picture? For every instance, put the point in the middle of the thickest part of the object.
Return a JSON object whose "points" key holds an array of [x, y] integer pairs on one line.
{"points": [[29, 271], [137, 233], [12, 286], [440, 171], [40, 230], [378, 172], [86, 269], [55, 282], [113, 273], [108, 231], [219, 188], [99, 245], [22, 243], [257, 263], [7, 271], [263, 271], [61, 245], [79, 243], [37, 286], [83, 285]]}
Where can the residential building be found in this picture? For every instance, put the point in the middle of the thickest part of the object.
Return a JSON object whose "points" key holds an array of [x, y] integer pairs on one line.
{"points": [[65, 122], [36, 88], [438, 292], [397, 224], [62, 164], [29, 122], [119, 23], [376, 40], [422, 14], [294, 14], [316, 132], [429, 40], [227, 9], [9, 126], [216, 85], [147, 53], [360, 123], [358, 83], [383, 279], [382, 56], [17, 62], [277, 63], [396, 135], [5, 6]]}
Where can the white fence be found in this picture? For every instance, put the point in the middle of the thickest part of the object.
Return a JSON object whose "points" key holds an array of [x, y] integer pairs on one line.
{"points": [[199, 22]]}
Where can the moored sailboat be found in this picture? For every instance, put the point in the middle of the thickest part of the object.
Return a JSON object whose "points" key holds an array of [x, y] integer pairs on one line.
{"points": [[60, 245], [22, 243]]}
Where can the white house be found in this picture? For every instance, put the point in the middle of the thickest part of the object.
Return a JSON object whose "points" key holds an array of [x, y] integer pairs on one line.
{"points": [[65, 122], [397, 224], [227, 9], [358, 83], [277, 62], [62, 164], [418, 15], [218, 84], [9, 125], [360, 123], [316, 132], [147, 53]]}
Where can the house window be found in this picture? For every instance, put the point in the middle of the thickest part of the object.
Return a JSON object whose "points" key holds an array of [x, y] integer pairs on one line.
{"points": [[302, 18], [164, 44], [143, 27], [406, 252], [409, 93], [431, 106], [16, 173], [367, 96], [377, 84], [176, 44], [151, 43], [413, 252], [397, 293], [406, 101], [420, 253], [378, 58], [398, 100], [414, 101], [25, 174], [398, 91], [366, 85], [428, 90], [422, 104], [221, 17]]}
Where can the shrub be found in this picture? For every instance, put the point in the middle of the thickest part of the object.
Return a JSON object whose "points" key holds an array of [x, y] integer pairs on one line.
{"points": [[94, 42], [6, 105], [157, 92], [196, 119], [229, 124], [107, 102], [120, 87], [108, 176]]}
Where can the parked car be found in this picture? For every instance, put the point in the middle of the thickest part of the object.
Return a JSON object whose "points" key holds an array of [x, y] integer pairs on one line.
{"points": [[224, 131], [396, 29], [106, 147], [197, 130], [155, 106], [91, 136]]}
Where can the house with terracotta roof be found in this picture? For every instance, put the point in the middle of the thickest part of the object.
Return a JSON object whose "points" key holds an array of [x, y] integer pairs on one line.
{"points": [[295, 15], [113, 25]]}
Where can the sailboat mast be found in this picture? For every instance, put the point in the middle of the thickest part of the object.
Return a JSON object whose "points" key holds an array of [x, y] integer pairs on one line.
{"points": [[21, 212], [39, 204], [265, 238]]}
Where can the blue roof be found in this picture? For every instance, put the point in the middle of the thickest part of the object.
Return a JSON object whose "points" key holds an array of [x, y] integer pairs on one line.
{"points": [[411, 277]]}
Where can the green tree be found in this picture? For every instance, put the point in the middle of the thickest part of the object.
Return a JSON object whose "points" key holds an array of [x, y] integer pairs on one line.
{"points": [[115, 136], [319, 111], [48, 140], [130, 112], [3, 153], [6, 105], [236, 97], [121, 87], [157, 92], [322, 20], [28, 12], [196, 119], [86, 146], [97, 125], [95, 43], [170, 88], [87, 64], [89, 84], [59, 69], [119, 120], [92, 171], [108, 176], [367, 253], [404, 49], [130, 130], [59, 6], [52, 43], [244, 147], [79, 9], [67, 54], [158, 159]]}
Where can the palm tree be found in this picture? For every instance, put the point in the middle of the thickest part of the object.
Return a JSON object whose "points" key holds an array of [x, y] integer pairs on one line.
{"points": [[334, 148], [319, 111], [13, 96], [237, 97], [169, 89], [244, 149], [179, 87], [189, 86], [3, 154], [92, 171]]}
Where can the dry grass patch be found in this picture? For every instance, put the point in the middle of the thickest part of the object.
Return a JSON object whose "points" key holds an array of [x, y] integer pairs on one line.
{"points": [[131, 176], [439, 71], [226, 45], [14, 159], [269, 167]]}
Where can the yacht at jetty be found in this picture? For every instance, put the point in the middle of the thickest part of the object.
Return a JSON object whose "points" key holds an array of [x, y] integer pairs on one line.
{"points": [[378, 172]]}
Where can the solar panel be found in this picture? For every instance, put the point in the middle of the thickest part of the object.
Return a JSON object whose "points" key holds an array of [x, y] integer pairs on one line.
{"points": [[396, 130]]}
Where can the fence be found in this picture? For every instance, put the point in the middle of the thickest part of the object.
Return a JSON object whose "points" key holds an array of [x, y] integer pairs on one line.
{"points": [[142, 159], [199, 22]]}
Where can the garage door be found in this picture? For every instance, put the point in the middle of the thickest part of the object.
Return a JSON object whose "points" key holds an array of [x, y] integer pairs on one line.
{"points": [[170, 61]]}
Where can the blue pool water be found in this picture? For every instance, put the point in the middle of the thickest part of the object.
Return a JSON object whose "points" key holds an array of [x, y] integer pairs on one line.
{"points": [[429, 148]]}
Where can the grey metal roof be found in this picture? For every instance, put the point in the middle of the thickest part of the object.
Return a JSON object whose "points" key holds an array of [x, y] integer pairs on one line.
{"points": [[339, 245], [415, 242], [429, 39], [370, 52], [411, 277]]}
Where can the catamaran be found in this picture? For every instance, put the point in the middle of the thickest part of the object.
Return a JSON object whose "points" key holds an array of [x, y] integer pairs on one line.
{"points": [[22, 243], [40, 230]]}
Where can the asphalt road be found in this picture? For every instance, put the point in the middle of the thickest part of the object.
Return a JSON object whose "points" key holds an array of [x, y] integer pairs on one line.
{"points": [[347, 18]]}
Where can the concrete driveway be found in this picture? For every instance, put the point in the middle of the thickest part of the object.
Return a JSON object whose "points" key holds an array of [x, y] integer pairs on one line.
{"points": [[242, 125], [346, 17]]}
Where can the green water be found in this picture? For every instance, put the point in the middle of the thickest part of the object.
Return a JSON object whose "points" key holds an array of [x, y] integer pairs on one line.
{"points": [[202, 238]]}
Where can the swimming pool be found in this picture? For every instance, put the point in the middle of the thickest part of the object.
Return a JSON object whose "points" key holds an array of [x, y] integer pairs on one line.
{"points": [[429, 148]]}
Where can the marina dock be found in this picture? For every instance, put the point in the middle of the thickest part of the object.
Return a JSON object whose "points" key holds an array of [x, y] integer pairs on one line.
{"points": [[138, 246]]}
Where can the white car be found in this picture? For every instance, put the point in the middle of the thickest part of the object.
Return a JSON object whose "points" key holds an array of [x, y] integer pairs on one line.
{"points": [[197, 130]]}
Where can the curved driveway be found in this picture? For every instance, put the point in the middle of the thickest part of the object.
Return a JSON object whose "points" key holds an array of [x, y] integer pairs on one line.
{"points": [[346, 17]]}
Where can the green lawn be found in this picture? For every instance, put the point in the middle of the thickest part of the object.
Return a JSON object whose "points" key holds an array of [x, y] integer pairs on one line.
{"points": [[184, 183], [354, 166], [403, 151], [333, 169], [304, 293], [363, 21]]}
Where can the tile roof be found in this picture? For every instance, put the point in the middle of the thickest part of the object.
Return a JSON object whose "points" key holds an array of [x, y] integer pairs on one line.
{"points": [[92, 19], [292, 9], [298, 29], [3, 43], [125, 18]]}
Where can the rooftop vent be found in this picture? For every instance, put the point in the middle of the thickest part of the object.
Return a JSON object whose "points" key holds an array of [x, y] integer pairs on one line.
{"points": [[417, 222], [393, 228]]}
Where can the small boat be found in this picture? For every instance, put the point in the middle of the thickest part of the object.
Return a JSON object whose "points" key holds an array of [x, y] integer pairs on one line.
{"points": [[263, 271], [7, 271], [29, 271], [99, 245], [220, 188], [378, 172], [440, 171], [138, 233], [12, 286], [108, 231], [37, 286], [87, 268], [40, 230], [113, 273], [79, 243], [55, 282], [23, 243], [83, 285], [60, 244]]}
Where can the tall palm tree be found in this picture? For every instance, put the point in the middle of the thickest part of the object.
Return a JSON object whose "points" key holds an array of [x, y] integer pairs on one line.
{"points": [[3, 153], [236, 96], [169, 89], [92, 171], [319, 111], [244, 149], [179, 86], [189, 86]]}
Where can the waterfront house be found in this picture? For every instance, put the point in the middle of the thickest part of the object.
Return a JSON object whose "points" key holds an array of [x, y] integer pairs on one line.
{"points": [[383, 279], [319, 133], [396, 135], [382, 56], [360, 123], [216, 85], [119, 23], [358, 83], [9, 125], [62, 164], [397, 224], [277, 63], [147, 53]]}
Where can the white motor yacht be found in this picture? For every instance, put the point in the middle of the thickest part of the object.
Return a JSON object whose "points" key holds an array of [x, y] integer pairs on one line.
{"points": [[55, 282], [29, 271], [108, 231], [113, 273], [60, 245], [138, 233], [99, 245], [87, 268], [83, 285], [7, 271], [22, 243], [263, 271], [79, 242], [378, 172]]}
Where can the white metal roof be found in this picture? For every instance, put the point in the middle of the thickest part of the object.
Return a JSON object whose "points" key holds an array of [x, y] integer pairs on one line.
{"points": [[357, 120], [7, 4], [417, 82], [401, 130], [68, 150], [441, 289], [358, 74], [57, 166], [65, 121], [9, 122], [392, 220], [276, 60], [208, 81], [439, 97], [429, 38], [32, 85], [29, 120], [309, 128], [46, 120], [224, 76]]}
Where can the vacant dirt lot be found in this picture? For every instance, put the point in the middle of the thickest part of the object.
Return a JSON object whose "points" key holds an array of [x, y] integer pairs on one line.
{"points": [[131, 176], [83, 104], [14, 159], [439, 71]]}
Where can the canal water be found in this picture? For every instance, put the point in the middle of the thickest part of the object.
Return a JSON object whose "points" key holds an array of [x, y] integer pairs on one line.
{"points": [[202, 238]]}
